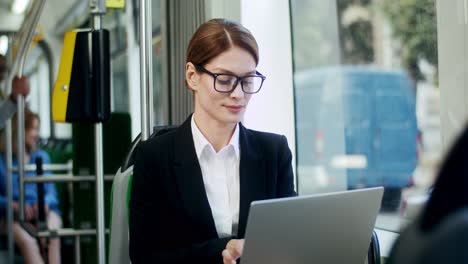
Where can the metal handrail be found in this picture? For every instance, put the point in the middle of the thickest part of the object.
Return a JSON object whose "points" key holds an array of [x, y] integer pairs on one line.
{"points": [[25, 37], [97, 9], [146, 69], [65, 178], [9, 164], [30, 28], [68, 232], [46, 167], [61, 232]]}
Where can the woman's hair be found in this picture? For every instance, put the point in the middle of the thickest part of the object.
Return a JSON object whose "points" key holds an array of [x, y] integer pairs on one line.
{"points": [[29, 118], [217, 36]]}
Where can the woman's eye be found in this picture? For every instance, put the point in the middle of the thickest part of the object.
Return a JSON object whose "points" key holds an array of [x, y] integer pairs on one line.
{"points": [[224, 82]]}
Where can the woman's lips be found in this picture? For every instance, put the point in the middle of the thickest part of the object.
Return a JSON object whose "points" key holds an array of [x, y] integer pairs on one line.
{"points": [[234, 108]]}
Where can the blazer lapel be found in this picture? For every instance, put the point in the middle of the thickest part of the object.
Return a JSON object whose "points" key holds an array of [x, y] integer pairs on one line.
{"points": [[190, 180], [252, 176]]}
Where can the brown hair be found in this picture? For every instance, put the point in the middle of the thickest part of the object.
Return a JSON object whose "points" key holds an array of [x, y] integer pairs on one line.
{"points": [[29, 118], [217, 36]]}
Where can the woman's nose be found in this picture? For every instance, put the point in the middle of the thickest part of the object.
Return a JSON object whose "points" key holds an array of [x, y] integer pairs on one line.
{"points": [[237, 92]]}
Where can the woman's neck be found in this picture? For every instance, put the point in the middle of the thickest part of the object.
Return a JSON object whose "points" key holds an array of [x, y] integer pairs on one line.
{"points": [[217, 133]]}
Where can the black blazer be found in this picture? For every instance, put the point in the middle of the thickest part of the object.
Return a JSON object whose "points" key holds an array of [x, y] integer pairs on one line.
{"points": [[170, 216]]}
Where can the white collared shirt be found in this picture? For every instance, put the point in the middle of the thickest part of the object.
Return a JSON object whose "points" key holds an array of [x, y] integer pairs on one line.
{"points": [[221, 179]]}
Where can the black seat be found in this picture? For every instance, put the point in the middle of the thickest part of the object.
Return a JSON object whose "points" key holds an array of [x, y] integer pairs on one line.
{"points": [[129, 160]]}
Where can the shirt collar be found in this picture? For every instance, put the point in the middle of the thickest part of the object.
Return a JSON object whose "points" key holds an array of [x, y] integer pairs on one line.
{"points": [[201, 142]]}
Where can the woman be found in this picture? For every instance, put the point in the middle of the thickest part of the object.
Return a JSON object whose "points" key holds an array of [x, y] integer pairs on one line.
{"points": [[192, 187], [27, 244]]}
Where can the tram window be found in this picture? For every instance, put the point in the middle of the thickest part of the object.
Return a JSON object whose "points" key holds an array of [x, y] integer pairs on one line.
{"points": [[114, 21], [371, 67]]}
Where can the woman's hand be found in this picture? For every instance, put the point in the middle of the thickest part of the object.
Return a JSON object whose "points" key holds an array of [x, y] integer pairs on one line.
{"points": [[29, 212], [233, 251], [36, 210], [19, 86]]}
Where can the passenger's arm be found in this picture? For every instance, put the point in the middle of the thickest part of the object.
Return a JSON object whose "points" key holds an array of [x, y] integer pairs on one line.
{"points": [[149, 230], [285, 181], [7, 109], [20, 86], [51, 197]]}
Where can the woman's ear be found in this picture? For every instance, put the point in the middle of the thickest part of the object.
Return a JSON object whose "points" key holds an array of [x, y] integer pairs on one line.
{"points": [[191, 76]]}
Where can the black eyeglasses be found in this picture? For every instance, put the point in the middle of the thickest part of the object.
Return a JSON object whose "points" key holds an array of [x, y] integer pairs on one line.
{"points": [[227, 83]]}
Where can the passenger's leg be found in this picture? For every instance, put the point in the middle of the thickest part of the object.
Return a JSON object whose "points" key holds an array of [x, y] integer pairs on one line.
{"points": [[27, 245], [54, 222]]}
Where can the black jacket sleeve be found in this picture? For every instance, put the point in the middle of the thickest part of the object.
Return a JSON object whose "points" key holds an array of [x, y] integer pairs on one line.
{"points": [[152, 230], [285, 186]]}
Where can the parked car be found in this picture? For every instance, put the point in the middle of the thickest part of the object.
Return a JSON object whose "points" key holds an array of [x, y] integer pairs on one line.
{"points": [[363, 124]]}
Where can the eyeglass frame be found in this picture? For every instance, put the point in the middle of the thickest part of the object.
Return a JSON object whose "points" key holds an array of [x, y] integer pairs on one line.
{"points": [[238, 79]]}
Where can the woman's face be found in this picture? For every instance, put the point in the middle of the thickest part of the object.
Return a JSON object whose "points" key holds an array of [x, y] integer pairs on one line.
{"points": [[226, 108], [32, 133]]}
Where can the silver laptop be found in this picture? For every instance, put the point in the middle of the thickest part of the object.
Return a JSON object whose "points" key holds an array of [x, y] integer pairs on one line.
{"points": [[325, 228]]}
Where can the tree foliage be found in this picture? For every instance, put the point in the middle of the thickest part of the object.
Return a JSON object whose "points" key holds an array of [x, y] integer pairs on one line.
{"points": [[414, 23], [356, 37], [321, 37], [314, 39]]}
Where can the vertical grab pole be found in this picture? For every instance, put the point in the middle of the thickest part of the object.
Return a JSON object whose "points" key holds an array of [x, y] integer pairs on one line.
{"points": [[26, 33], [98, 8], [9, 190], [77, 250], [149, 64], [100, 227], [20, 152], [9, 165], [146, 77], [29, 26]]}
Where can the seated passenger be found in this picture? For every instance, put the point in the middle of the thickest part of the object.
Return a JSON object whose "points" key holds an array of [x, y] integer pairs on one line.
{"points": [[192, 187], [27, 244]]}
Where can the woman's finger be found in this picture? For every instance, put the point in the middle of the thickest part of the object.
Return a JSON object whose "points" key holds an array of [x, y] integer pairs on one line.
{"points": [[27, 213], [227, 258]]}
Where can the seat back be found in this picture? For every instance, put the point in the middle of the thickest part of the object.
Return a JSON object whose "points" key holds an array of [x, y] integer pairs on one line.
{"points": [[118, 245], [120, 198]]}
